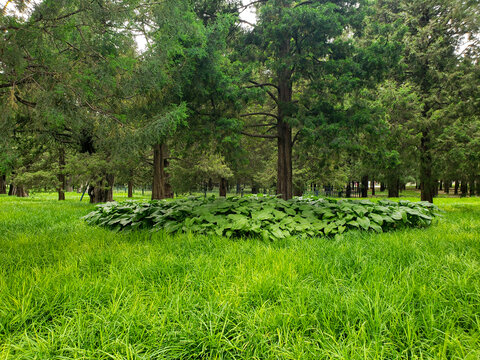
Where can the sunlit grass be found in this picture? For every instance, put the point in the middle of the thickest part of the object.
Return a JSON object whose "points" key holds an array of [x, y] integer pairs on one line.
{"points": [[71, 291]]}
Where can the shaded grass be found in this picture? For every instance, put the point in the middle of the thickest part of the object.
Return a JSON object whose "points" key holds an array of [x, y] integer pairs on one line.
{"points": [[70, 291]]}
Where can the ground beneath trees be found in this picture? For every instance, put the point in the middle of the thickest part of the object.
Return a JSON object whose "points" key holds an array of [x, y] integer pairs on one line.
{"points": [[68, 290]]}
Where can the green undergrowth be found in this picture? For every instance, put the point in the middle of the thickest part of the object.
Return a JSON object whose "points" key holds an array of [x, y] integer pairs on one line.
{"points": [[73, 291], [263, 217]]}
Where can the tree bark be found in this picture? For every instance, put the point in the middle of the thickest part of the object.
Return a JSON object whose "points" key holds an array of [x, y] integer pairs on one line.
{"points": [[472, 185], [365, 186], [477, 187], [393, 187], [161, 188], [464, 188], [427, 182], [61, 175], [372, 185], [446, 186], [130, 189], [103, 192], [254, 188], [3, 184], [20, 191], [348, 191], [382, 186], [223, 187], [457, 185], [284, 130]]}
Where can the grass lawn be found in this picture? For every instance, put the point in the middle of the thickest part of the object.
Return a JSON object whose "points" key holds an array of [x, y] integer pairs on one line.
{"points": [[70, 291]]}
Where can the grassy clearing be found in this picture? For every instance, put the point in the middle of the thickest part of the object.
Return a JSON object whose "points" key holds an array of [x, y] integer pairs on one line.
{"points": [[70, 291]]}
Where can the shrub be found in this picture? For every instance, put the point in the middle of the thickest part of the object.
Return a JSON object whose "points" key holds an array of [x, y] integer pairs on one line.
{"points": [[263, 217]]}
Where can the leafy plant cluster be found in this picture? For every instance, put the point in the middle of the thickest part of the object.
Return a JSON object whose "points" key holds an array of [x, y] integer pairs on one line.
{"points": [[263, 217]]}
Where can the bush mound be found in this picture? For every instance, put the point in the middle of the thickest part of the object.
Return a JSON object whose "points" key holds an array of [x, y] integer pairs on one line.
{"points": [[264, 217]]}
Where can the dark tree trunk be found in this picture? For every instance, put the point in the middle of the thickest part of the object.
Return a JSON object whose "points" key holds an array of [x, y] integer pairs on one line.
{"points": [[20, 191], [382, 186], [348, 191], [62, 181], [12, 190], [158, 173], [284, 130], [464, 188], [103, 192], [446, 186], [457, 185], [130, 189], [427, 182], [223, 187], [440, 187], [210, 185], [372, 185], [393, 187], [238, 189], [284, 162], [161, 188], [365, 186], [254, 188], [477, 187], [3, 184], [472, 185]]}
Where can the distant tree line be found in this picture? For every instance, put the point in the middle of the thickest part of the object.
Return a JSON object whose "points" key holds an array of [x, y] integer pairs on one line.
{"points": [[312, 95]]}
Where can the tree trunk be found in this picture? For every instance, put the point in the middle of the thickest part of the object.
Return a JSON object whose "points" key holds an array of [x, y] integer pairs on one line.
{"points": [[20, 191], [3, 184], [365, 186], [472, 185], [158, 173], [382, 186], [446, 186], [348, 191], [426, 179], [464, 188], [372, 185], [223, 187], [130, 189], [284, 130], [103, 192], [457, 185], [61, 175], [477, 187], [12, 190], [393, 187], [254, 188], [161, 188]]}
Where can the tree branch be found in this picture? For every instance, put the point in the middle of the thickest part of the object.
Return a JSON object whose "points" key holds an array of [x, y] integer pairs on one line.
{"points": [[295, 138], [259, 113], [260, 85], [259, 136], [259, 125], [267, 91], [25, 102], [246, 22], [243, 7], [303, 3]]}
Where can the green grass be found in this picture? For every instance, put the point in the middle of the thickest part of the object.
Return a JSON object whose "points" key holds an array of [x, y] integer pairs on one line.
{"points": [[71, 291]]}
